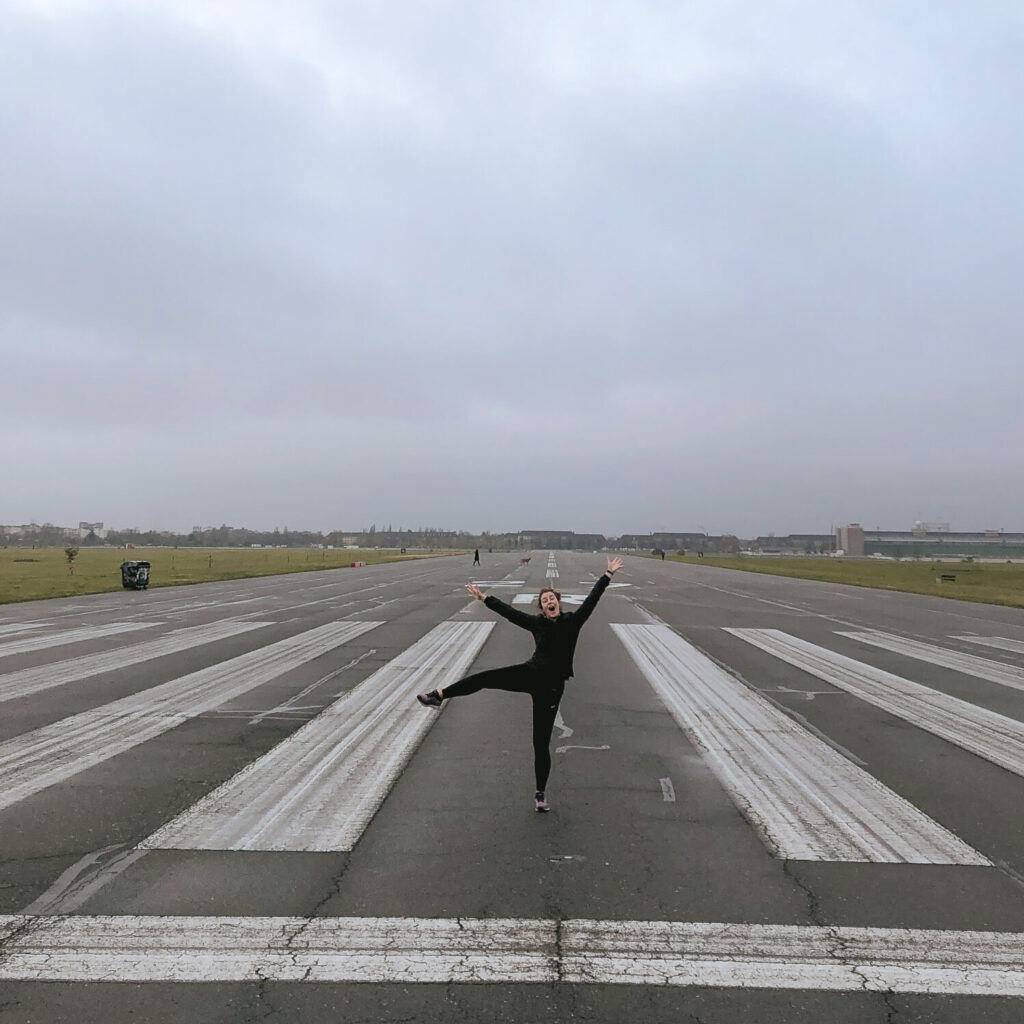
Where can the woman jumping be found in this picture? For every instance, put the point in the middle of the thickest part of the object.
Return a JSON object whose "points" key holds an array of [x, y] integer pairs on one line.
{"points": [[543, 676]]}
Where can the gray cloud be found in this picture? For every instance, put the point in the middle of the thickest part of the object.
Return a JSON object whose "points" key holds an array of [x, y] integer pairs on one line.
{"points": [[747, 268]]}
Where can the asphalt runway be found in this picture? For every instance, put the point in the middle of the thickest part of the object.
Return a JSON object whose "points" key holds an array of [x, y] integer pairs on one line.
{"points": [[773, 801]]}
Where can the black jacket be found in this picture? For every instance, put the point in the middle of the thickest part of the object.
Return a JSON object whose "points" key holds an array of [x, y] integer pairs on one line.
{"points": [[555, 638]]}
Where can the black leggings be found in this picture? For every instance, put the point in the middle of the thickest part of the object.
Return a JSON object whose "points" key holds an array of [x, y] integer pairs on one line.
{"points": [[546, 692]]}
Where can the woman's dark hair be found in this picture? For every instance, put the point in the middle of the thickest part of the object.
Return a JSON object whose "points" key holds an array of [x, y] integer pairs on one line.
{"points": [[548, 590]]}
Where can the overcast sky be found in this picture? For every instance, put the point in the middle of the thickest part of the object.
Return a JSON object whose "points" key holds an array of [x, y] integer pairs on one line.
{"points": [[608, 267]]}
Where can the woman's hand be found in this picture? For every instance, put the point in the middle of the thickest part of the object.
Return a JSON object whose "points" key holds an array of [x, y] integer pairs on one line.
{"points": [[475, 591], [614, 565]]}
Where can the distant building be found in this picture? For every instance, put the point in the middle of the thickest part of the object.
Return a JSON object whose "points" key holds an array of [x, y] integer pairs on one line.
{"points": [[922, 543], [671, 542], [42, 535], [563, 540], [850, 540]]}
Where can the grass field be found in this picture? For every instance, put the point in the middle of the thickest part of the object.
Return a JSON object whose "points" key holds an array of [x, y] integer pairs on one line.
{"points": [[988, 582], [32, 574]]}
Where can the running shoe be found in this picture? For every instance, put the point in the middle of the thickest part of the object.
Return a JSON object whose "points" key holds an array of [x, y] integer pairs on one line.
{"points": [[429, 699], [542, 804]]}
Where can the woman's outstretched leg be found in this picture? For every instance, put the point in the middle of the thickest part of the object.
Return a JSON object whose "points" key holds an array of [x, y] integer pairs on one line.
{"points": [[517, 678]]}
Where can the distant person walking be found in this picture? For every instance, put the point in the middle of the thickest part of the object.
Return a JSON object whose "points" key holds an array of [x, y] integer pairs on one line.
{"points": [[543, 677], [476, 557]]}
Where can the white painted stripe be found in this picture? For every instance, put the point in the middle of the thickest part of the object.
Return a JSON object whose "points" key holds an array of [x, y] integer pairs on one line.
{"points": [[792, 957], [532, 598], [21, 627], [70, 636], [564, 731], [56, 752], [1003, 643], [473, 951], [196, 949], [319, 789], [989, 735], [969, 664], [806, 800], [44, 677], [668, 791]]}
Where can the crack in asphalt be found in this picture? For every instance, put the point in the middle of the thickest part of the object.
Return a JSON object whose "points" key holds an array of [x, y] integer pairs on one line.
{"points": [[261, 1001], [891, 1009], [290, 933], [838, 950], [560, 976], [813, 902]]}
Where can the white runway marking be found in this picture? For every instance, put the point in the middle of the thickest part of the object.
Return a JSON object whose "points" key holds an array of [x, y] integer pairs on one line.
{"points": [[560, 725], [969, 664], [292, 704], [668, 791], [989, 735], [43, 677], [56, 752], [806, 801], [473, 951], [80, 882], [765, 600], [71, 636], [21, 627], [1001, 642], [574, 746], [318, 790], [532, 598]]}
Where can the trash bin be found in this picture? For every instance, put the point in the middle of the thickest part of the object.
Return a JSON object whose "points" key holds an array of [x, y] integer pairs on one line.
{"points": [[135, 575]]}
